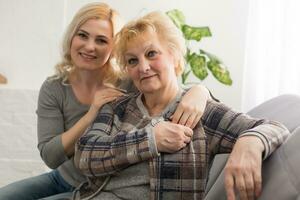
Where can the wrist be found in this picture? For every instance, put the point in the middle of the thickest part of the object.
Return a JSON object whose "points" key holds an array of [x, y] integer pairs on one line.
{"points": [[91, 115], [254, 142]]}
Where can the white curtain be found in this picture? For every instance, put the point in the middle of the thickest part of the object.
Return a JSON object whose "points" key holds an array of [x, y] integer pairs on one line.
{"points": [[272, 64]]}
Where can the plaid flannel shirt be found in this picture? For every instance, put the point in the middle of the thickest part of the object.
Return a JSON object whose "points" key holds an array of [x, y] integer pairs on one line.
{"points": [[121, 135]]}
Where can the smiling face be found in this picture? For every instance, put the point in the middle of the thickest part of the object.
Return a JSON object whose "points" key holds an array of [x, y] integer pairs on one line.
{"points": [[91, 45], [149, 63]]}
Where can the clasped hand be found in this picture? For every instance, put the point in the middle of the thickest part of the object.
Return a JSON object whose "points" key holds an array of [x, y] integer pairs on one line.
{"points": [[171, 137]]}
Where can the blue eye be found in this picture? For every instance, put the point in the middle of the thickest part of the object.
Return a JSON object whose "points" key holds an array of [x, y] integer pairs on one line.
{"points": [[151, 53], [101, 41], [132, 62]]}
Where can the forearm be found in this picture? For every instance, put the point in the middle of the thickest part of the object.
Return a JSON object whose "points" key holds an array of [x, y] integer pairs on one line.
{"points": [[223, 126], [55, 145], [70, 137], [99, 154], [271, 133]]}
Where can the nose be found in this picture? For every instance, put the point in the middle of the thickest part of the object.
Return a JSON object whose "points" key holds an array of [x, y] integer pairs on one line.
{"points": [[144, 66], [90, 45]]}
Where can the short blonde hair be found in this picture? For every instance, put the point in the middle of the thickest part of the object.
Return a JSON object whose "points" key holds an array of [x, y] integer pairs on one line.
{"points": [[90, 11], [163, 26]]}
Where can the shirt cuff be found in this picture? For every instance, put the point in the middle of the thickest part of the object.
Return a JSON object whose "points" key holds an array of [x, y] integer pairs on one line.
{"points": [[263, 139], [152, 142]]}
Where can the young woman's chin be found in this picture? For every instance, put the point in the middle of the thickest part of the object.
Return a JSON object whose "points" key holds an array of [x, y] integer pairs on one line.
{"points": [[88, 68]]}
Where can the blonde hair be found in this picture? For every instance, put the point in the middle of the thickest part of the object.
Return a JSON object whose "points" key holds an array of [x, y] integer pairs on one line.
{"points": [[159, 23], [90, 11]]}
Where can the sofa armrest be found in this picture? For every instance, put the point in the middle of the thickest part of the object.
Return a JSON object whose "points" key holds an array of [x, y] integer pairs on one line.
{"points": [[284, 108]]}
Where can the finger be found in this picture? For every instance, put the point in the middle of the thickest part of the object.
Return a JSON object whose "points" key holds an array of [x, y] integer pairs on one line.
{"points": [[177, 115], [112, 89], [229, 186], [187, 131], [107, 85], [187, 139], [112, 92], [184, 117], [249, 182], [196, 121], [108, 99], [190, 120], [241, 187], [183, 145], [257, 182], [103, 94]]}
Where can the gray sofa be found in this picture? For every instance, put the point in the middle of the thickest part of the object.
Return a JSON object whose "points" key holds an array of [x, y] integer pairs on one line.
{"points": [[281, 171]]}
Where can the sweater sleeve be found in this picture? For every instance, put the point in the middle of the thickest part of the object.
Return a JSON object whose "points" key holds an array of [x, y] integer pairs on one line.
{"points": [[223, 127], [50, 124], [105, 149]]}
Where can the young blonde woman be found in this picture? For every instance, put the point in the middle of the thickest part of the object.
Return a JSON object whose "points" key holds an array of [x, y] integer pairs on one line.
{"points": [[133, 151], [69, 101]]}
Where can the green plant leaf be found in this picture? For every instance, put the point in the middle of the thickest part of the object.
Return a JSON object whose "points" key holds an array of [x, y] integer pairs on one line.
{"points": [[195, 33], [198, 65], [177, 17], [211, 56], [219, 72]]}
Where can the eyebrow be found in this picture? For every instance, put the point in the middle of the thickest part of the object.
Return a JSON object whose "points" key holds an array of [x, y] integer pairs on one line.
{"points": [[145, 48], [81, 30], [128, 54], [97, 36]]}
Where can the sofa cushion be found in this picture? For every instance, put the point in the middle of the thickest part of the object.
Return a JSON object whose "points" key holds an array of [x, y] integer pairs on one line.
{"points": [[19, 156]]}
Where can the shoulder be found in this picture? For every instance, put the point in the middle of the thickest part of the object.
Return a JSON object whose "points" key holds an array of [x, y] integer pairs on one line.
{"points": [[125, 100], [215, 111], [52, 89], [127, 84], [52, 84], [124, 103], [213, 105]]}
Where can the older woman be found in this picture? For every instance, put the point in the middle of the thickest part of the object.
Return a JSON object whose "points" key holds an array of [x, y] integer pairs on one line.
{"points": [[133, 151]]}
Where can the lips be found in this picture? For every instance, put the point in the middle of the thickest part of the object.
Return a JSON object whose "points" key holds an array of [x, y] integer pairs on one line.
{"points": [[87, 56], [148, 77]]}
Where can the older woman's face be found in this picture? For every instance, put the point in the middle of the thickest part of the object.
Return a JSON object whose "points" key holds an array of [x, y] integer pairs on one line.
{"points": [[92, 44], [149, 63]]}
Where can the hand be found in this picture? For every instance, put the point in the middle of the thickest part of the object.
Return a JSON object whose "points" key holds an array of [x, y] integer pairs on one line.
{"points": [[171, 137], [102, 97], [192, 106], [243, 169]]}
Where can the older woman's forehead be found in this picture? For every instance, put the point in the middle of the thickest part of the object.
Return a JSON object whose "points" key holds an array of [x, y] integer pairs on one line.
{"points": [[143, 41]]}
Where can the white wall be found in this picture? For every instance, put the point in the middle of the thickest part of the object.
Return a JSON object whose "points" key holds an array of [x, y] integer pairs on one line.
{"points": [[31, 32]]}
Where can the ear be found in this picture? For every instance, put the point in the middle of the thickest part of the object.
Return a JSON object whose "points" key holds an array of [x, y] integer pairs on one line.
{"points": [[177, 67]]}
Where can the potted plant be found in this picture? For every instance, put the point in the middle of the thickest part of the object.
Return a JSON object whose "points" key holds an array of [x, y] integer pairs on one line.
{"points": [[199, 63]]}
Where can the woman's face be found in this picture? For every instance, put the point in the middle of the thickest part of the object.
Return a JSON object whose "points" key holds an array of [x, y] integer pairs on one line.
{"points": [[149, 63], [91, 45]]}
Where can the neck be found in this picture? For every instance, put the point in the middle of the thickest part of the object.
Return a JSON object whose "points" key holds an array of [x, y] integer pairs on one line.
{"points": [[157, 101], [87, 78]]}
